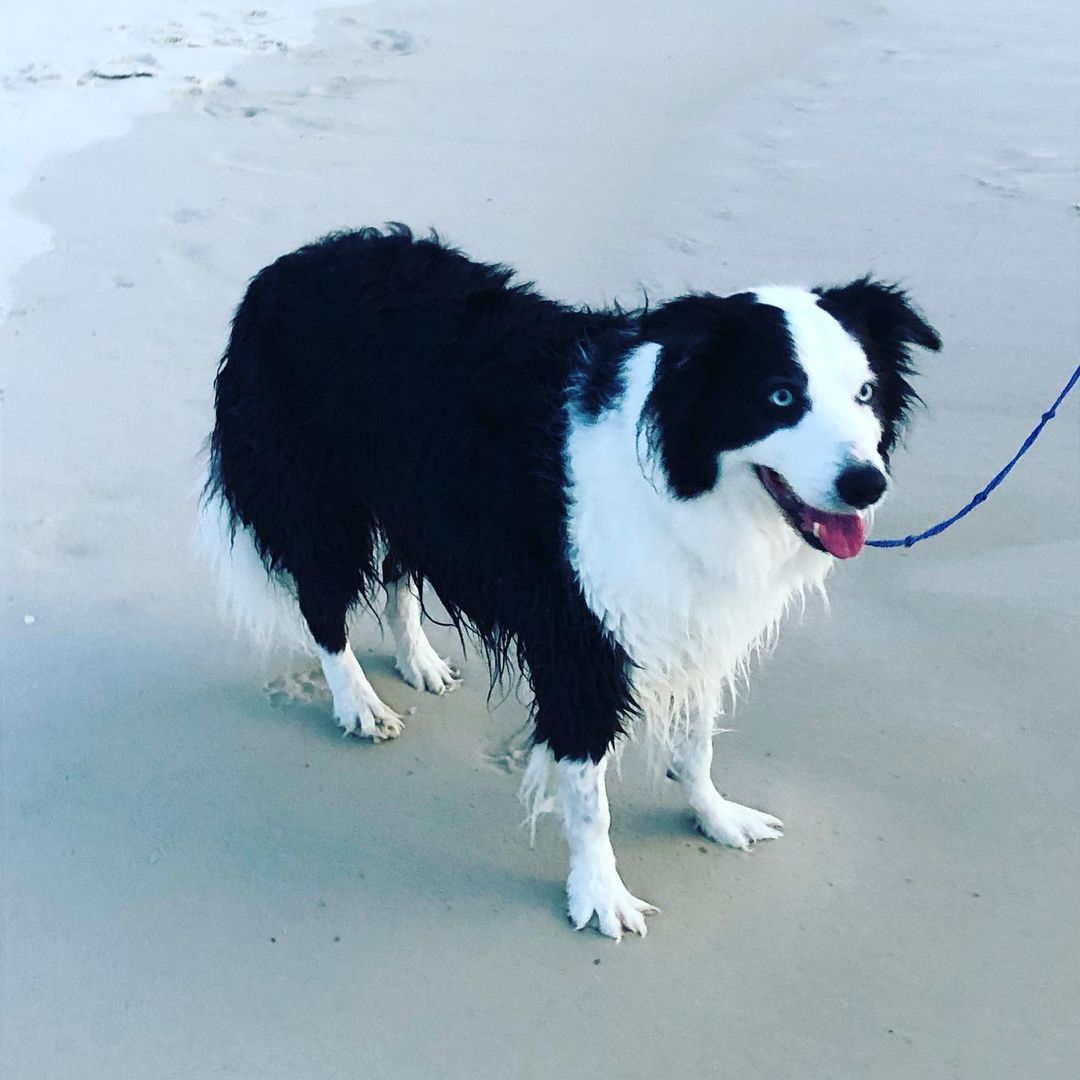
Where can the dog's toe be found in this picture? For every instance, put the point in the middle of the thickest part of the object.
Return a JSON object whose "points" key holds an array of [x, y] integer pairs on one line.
{"points": [[424, 669], [377, 722], [737, 826], [607, 898]]}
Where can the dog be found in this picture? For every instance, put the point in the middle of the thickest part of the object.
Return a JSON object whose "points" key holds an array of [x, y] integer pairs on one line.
{"points": [[622, 503]]}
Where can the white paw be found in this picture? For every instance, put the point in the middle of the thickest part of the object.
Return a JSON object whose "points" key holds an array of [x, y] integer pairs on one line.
{"points": [[591, 891], [370, 720], [422, 668], [737, 826]]}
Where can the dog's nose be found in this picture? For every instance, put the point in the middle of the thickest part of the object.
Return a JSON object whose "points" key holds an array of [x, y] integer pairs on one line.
{"points": [[861, 486]]}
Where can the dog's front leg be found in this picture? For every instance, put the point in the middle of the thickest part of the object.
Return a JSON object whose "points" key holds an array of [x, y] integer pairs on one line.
{"points": [[594, 886], [582, 693], [725, 822]]}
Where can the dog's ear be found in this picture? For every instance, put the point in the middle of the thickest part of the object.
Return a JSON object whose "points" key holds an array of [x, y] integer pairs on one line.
{"points": [[878, 313], [882, 318], [681, 324]]}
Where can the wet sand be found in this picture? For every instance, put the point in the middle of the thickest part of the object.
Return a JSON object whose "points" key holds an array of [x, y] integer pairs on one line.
{"points": [[202, 878]]}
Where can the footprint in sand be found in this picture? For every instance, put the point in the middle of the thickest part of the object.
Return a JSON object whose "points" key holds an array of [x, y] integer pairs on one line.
{"points": [[510, 755], [1018, 173], [222, 98], [32, 74], [188, 215], [688, 245], [1000, 186], [307, 687], [214, 34], [399, 42]]}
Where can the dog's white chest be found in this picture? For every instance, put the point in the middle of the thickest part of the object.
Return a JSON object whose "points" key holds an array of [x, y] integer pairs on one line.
{"points": [[689, 588]]}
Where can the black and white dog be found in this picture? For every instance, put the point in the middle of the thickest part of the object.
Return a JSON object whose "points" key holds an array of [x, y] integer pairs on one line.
{"points": [[623, 503]]}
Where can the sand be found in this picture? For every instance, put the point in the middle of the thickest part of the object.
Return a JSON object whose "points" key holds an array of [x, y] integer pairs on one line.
{"points": [[201, 878]]}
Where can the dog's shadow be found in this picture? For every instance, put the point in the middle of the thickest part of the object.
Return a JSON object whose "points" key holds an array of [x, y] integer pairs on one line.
{"points": [[437, 860]]}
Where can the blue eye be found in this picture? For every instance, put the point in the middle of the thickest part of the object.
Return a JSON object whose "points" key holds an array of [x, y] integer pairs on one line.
{"points": [[865, 394], [782, 397]]}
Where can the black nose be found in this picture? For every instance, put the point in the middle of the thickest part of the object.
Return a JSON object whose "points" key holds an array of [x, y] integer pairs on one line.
{"points": [[861, 485]]}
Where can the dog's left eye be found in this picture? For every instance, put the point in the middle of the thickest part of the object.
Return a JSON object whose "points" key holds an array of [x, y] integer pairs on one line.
{"points": [[866, 393], [782, 397]]}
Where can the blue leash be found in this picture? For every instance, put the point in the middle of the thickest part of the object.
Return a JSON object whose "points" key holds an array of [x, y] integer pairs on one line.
{"points": [[911, 541]]}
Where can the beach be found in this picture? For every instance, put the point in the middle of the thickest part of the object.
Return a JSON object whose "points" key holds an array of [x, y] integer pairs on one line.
{"points": [[202, 878]]}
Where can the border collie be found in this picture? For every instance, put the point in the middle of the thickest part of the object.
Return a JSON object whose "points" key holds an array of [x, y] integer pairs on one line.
{"points": [[624, 504]]}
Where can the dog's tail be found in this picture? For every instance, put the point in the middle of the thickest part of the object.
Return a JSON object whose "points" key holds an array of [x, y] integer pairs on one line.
{"points": [[259, 602]]}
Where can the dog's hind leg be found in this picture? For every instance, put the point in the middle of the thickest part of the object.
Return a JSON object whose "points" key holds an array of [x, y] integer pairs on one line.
{"points": [[725, 822], [417, 661], [324, 602], [357, 708]]}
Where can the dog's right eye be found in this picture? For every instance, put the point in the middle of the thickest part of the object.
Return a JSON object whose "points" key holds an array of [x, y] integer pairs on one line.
{"points": [[782, 397]]}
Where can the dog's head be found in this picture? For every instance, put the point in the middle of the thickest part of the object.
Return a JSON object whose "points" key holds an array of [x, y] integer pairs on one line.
{"points": [[808, 389]]}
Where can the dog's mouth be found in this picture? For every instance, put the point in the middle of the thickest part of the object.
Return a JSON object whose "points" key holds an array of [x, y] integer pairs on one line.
{"points": [[841, 535]]}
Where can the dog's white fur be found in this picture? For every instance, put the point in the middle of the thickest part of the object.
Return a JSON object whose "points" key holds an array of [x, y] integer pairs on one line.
{"points": [[416, 659], [357, 708], [259, 605], [691, 589]]}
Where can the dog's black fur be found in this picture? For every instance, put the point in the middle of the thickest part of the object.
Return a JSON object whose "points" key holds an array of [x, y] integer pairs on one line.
{"points": [[384, 390], [880, 317], [381, 388]]}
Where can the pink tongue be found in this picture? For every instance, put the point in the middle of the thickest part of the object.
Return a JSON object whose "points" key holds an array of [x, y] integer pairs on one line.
{"points": [[841, 535]]}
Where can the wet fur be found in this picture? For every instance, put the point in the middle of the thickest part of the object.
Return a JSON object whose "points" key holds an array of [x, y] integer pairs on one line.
{"points": [[578, 487], [386, 393]]}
